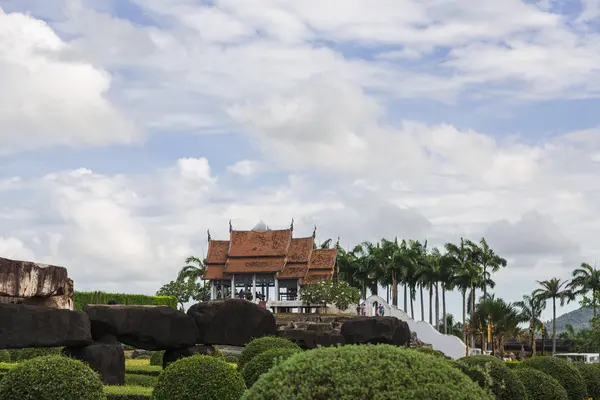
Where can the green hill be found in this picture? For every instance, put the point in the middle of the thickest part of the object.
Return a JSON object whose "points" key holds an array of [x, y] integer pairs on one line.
{"points": [[580, 319]]}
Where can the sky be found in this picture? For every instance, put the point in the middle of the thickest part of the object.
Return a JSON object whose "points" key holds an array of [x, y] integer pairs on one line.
{"points": [[128, 128]]}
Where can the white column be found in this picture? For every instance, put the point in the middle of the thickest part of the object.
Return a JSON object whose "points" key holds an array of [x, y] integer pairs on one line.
{"points": [[213, 291], [276, 289], [232, 286], [254, 287]]}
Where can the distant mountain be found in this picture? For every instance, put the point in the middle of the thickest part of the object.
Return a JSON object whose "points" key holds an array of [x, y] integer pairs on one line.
{"points": [[580, 319]]}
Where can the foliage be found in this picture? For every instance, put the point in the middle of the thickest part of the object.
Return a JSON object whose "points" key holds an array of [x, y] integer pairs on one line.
{"points": [[4, 356], [184, 289], [561, 370], [140, 380], [539, 385], [554, 289], [435, 391], [591, 376], [338, 293], [199, 378], [512, 364], [127, 392], [51, 378], [504, 317], [82, 299], [152, 370], [18, 355], [504, 385], [263, 362], [260, 345], [430, 351], [361, 372], [157, 358]]}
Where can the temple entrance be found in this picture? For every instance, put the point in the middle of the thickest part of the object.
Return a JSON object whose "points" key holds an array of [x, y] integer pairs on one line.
{"points": [[243, 287], [265, 287], [288, 290]]}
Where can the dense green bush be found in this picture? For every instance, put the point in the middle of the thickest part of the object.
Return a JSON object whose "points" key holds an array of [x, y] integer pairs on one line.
{"points": [[4, 356], [433, 352], [127, 393], [51, 378], [141, 380], [563, 371], [263, 362], [503, 384], [373, 372], [539, 385], [512, 364], [199, 378], [18, 355], [591, 376], [263, 344], [81, 299], [157, 358]]}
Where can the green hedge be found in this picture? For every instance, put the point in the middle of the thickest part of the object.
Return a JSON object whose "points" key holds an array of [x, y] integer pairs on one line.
{"points": [[364, 372], [151, 370], [83, 298], [539, 385], [260, 345], [4, 356], [564, 372], [503, 384], [591, 376], [141, 380], [18, 355], [127, 392], [263, 362], [157, 358]]}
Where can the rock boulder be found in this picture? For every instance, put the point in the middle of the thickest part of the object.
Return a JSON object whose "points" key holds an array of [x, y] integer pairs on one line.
{"points": [[31, 326], [143, 327], [387, 330], [232, 322], [29, 279], [171, 356], [106, 359], [310, 339]]}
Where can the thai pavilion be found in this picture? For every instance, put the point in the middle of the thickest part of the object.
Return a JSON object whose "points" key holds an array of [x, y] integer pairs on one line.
{"points": [[266, 266]]}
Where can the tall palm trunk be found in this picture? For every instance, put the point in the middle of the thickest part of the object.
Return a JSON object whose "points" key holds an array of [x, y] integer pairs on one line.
{"points": [[594, 301], [387, 294], [533, 338], [553, 325], [422, 307], [405, 300], [394, 290], [431, 304], [437, 307], [412, 310], [471, 317], [464, 299], [484, 285], [445, 315]]}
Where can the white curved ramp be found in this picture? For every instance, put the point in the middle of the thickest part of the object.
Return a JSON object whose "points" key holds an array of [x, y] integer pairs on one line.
{"points": [[450, 345]]}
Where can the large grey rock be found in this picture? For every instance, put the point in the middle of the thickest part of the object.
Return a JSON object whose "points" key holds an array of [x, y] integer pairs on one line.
{"points": [[143, 327], [31, 326], [29, 279], [388, 330], [232, 322], [310, 339], [171, 356], [106, 359]]}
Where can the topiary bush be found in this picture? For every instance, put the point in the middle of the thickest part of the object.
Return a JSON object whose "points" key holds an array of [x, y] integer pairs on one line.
{"points": [[374, 372], [503, 384], [591, 377], [564, 372], [263, 344], [263, 362], [512, 364], [429, 350], [51, 378], [4, 356], [157, 358], [18, 355], [539, 385], [199, 378]]}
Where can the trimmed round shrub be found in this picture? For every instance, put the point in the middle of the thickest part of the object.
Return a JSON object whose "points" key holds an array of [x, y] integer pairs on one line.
{"points": [[591, 376], [435, 391], [199, 378], [51, 378], [18, 355], [512, 364], [263, 362], [263, 344], [4, 356], [539, 385], [503, 384], [429, 350], [564, 372], [374, 372], [157, 358]]}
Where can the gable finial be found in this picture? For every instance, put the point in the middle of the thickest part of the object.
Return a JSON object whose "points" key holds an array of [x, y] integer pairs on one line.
{"points": [[230, 227], [338, 243], [292, 225], [315, 232], [208, 233]]}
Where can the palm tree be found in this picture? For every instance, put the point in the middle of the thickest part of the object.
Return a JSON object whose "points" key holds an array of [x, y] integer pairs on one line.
{"points": [[458, 257], [586, 279], [451, 326], [554, 289], [489, 260], [447, 272], [429, 278], [531, 310], [393, 265], [191, 271]]}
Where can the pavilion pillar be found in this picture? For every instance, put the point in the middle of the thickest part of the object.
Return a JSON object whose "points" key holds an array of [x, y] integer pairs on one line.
{"points": [[213, 292], [232, 286], [276, 289], [254, 286]]}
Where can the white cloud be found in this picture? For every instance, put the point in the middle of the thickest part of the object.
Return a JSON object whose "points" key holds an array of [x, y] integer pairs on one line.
{"points": [[246, 168]]}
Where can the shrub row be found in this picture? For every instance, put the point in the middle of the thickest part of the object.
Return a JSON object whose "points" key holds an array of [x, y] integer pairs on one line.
{"points": [[81, 299], [260, 345], [127, 393]]}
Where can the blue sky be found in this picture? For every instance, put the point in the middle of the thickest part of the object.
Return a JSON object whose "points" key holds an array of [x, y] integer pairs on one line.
{"points": [[129, 128]]}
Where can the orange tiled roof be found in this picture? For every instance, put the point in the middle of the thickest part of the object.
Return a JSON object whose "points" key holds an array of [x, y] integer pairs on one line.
{"points": [[315, 276], [322, 259], [215, 272], [293, 271], [300, 250], [217, 252], [260, 243], [254, 264]]}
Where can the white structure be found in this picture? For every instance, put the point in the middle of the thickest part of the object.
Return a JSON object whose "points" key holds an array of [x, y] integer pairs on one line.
{"points": [[450, 345]]}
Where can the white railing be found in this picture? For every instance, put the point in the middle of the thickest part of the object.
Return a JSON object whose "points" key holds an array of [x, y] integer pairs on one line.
{"points": [[450, 345]]}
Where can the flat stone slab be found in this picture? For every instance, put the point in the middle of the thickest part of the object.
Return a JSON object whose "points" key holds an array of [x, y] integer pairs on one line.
{"points": [[143, 327], [32, 326], [30, 279], [374, 330]]}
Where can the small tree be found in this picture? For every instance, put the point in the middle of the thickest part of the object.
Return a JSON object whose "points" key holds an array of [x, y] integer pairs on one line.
{"points": [[340, 294]]}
